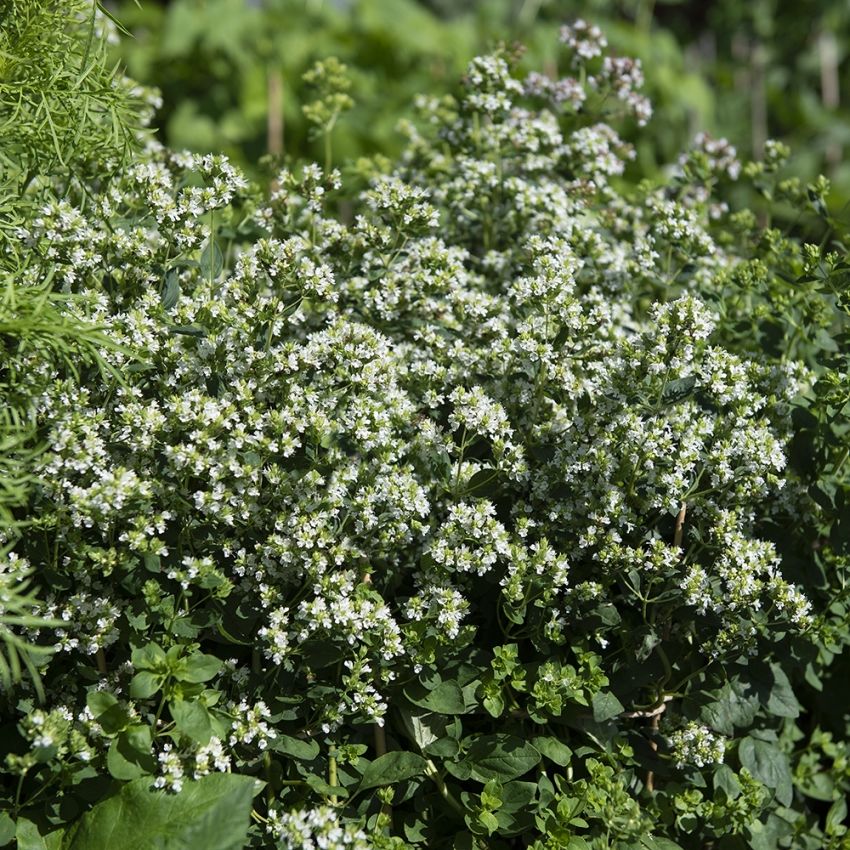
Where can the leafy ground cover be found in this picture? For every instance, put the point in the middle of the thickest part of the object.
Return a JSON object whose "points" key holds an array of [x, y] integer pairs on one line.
{"points": [[479, 498]]}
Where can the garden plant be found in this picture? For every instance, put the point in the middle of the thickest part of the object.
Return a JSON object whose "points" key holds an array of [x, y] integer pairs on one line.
{"points": [[483, 497]]}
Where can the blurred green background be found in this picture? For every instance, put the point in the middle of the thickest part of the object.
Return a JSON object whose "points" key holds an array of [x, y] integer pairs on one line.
{"points": [[230, 70]]}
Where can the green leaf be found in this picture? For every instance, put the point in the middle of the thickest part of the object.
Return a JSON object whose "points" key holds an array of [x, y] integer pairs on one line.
{"points": [[649, 639], [7, 829], [443, 748], [500, 756], [769, 764], [445, 698], [609, 614], [192, 719], [128, 757], [391, 768], [105, 708], [605, 707], [99, 702], [145, 684], [424, 727], [820, 786], [655, 842], [212, 261], [485, 482], [489, 821], [200, 668], [321, 787], [139, 738], [301, 750], [726, 780], [781, 700], [494, 704], [171, 289], [518, 796], [153, 563], [679, 389], [730, 709], [765, 836], [553, 750], [836, 815], [149, 657], [29, 838], [212, 812], [187, 330]]}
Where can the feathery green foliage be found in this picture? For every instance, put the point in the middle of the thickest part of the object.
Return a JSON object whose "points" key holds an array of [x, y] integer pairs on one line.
{"points": [[67, 118], [63, 110]]}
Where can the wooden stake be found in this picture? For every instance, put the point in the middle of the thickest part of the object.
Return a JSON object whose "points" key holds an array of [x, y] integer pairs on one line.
{"points": [[829, 85], [274, 108], [758, 99]]}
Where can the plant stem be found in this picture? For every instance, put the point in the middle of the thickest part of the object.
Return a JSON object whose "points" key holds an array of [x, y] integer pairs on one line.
{"points": [[380, 741], [668, 670], [680, 526], [380, 736], [19, 789], [332, 780], [459, 462], [433, 773], [159, 711]]}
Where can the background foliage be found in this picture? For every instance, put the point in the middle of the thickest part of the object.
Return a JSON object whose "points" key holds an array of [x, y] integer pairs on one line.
{"points": [[749, 72]]}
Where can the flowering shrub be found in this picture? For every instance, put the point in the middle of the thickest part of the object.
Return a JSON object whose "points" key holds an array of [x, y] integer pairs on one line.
{"points": [[465, 522]]}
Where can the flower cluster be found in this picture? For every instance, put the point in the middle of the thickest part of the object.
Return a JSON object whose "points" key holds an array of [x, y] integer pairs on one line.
{"points": [[696, 745], [587, 41], [318, 829], [336, 460], [619, 75]]}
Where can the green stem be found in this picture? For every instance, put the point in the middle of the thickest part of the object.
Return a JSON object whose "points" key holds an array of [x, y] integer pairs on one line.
{"points": [[212, 245], [328, 158], [456, 488], [668, 670], [18, 791], [841, 463], [433, 773], [332, 778], [159, 710], [328, 143], [267, 767]]}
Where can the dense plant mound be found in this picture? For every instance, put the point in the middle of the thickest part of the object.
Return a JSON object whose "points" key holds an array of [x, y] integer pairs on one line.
{"points": [[457, 522]]}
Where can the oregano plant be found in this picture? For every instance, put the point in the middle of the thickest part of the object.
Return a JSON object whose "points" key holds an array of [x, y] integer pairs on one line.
{"points": [[473, 519]]}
